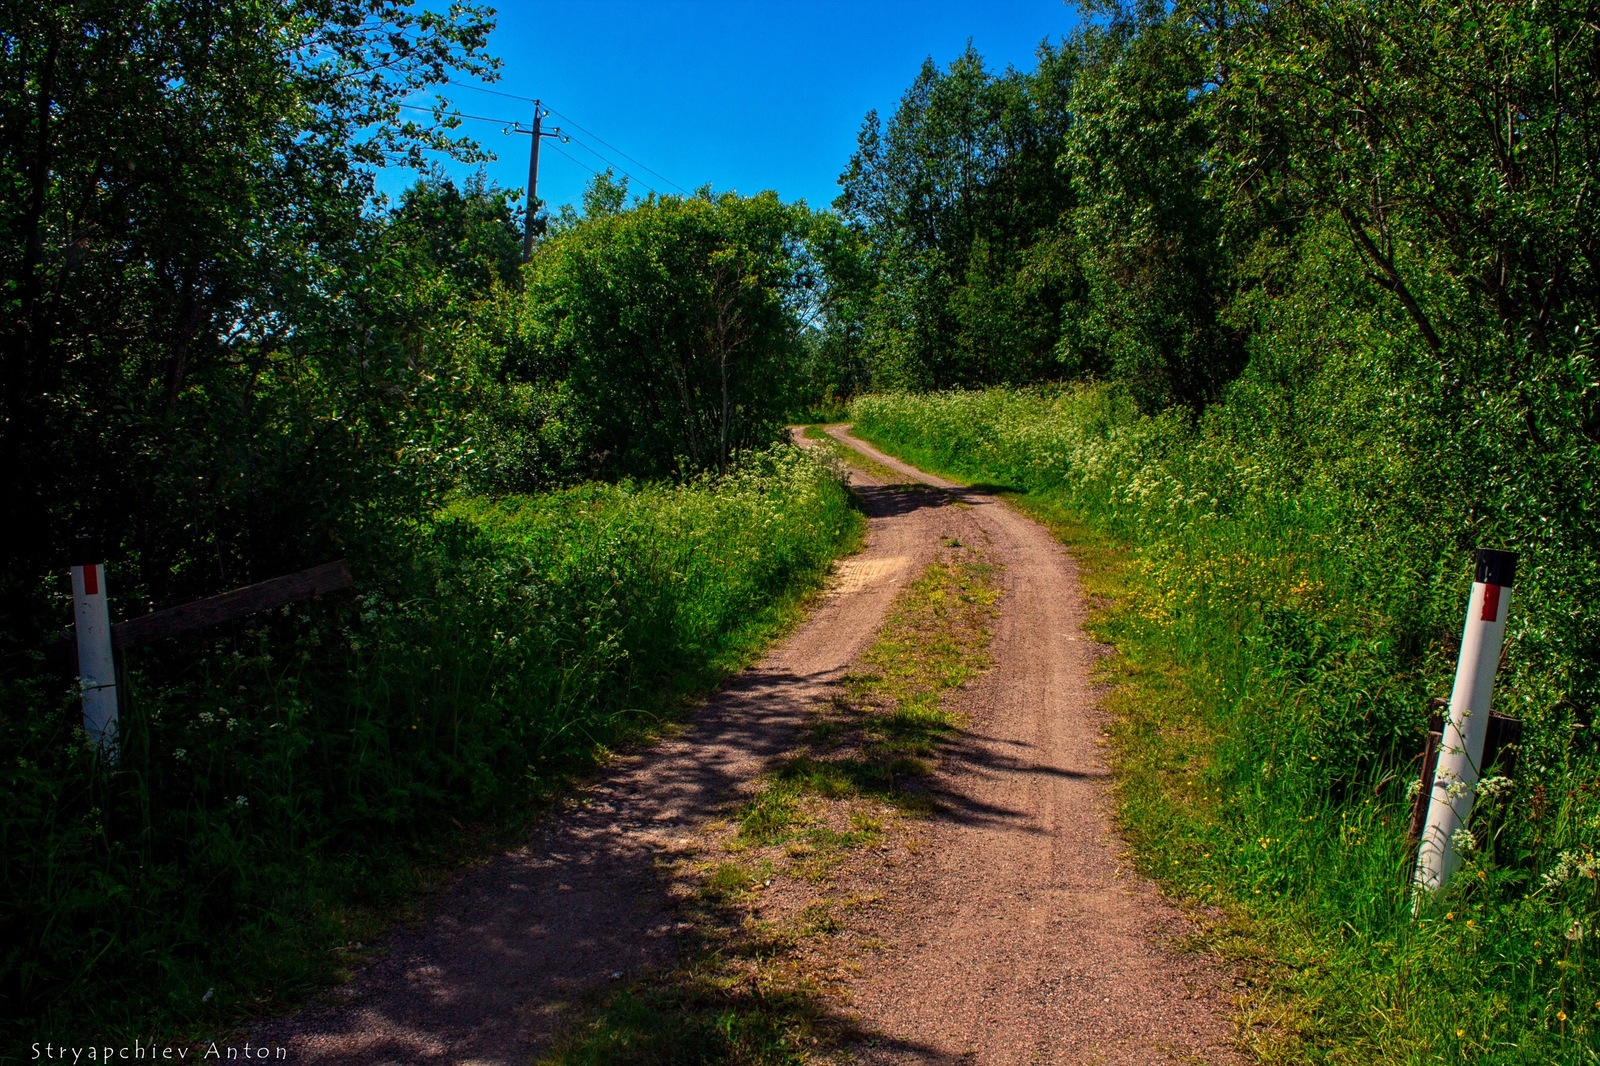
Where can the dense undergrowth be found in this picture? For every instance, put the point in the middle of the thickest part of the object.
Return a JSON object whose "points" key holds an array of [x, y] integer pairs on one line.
{"points": [[1284, 613], [281, 794]]}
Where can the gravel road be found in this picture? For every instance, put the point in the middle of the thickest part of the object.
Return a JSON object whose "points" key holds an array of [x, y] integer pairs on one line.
{"points": [[1018, 934], [1021, 935]]}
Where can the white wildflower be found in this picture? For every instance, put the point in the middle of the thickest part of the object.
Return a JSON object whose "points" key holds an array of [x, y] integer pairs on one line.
{"points": [[1490, 787], [1571, 864]]}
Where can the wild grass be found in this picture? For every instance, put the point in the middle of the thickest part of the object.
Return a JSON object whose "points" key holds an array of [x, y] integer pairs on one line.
{"points": [[761, 985], [301, 787], [1277, 642]]}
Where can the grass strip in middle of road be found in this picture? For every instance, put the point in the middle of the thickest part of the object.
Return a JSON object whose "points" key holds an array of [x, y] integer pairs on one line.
{"points": [[774, 885]]}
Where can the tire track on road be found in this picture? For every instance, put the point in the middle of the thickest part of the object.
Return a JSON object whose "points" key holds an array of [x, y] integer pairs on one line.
{"points": [[509, 951]]}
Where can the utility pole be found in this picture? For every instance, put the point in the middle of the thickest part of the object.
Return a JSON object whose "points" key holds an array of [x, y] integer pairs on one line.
{"points": [[537, 134]]}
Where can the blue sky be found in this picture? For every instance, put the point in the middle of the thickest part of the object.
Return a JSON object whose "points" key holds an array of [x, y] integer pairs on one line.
{"points": [[744, 95]]}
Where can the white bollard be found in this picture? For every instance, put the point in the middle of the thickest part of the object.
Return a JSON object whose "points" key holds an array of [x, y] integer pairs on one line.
{"points": [[97, 666], [1461, 747]]}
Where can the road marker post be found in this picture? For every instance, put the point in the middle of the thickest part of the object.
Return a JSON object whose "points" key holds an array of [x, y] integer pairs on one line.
{"points": [[1460, 759], [97, 664]]}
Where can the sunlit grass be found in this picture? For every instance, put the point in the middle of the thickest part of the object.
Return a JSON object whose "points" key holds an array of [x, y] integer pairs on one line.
{"points": [[270, 819], [1269, 703]]}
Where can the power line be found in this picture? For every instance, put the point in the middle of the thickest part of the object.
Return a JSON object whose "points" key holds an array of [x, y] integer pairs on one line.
{"points": [[617, 150], [513, 122], [609, 163], [457, 114], [491, 92], [574, 122], [579, 162]]}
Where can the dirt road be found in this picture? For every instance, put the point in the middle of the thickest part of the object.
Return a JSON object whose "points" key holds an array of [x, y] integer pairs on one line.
{"points": [[1018, 935], [1023, 938]]}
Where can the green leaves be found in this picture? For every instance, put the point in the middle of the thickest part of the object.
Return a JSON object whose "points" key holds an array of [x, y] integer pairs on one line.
{"points": [[673, 327]]}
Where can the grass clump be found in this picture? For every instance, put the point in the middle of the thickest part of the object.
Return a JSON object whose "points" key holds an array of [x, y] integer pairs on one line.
{"points": [[759, 984], [250, 843], [1279, 634]]}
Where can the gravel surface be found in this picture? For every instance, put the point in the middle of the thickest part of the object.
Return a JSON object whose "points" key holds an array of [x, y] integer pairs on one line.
{"points": [[1014, 932], [495, 971]]}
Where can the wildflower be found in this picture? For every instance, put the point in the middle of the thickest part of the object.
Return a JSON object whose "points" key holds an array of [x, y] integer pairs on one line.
{"points": [[1561, 1015], [1571, 865], [1463, 841], [1490, 787], [1460, 1033], [1574, 931], [241, 801], [1450, 917]]}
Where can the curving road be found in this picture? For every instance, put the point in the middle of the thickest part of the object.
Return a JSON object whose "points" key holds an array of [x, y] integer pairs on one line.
{"points": [[1018, 935]]}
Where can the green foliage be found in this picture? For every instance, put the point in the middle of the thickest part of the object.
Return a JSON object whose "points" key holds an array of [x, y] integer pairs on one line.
{"points": [[226, 360], [199, 310], [281, 778], [950, 200], [666, 335], [1338, 262], [1294, 598], [1048, 224], [1146, 229]]}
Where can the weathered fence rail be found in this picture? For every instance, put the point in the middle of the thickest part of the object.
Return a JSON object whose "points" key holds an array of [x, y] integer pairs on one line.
{"points": [[91, 646]]}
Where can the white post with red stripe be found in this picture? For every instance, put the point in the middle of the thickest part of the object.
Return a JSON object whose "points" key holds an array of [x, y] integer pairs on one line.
{"points": [[1461, 748], [97, 666]]}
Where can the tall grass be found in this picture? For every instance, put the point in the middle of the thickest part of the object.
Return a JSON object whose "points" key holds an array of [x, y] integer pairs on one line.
{"points": [[1282, 625], [285, 781]]}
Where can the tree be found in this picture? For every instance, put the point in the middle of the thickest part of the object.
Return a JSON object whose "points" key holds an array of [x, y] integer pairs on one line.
{"points": [[948, 200], [1146, 229], [1458, 144], [670, 330], [186, 258]]}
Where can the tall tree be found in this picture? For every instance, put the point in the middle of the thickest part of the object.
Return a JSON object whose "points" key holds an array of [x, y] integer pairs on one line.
{"points": [[948, 198]]}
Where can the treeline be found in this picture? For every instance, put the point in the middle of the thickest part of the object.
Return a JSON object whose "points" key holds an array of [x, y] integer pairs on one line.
{"points": [[1164, 190], [1360, 236], [226, 358]]}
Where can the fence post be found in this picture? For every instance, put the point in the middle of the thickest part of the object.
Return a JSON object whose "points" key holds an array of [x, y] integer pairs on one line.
{"points": [[1461, 747], [97, 666]]}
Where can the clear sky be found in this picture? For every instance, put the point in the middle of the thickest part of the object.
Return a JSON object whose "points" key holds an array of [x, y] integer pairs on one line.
{"points": [[743, 94]]}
